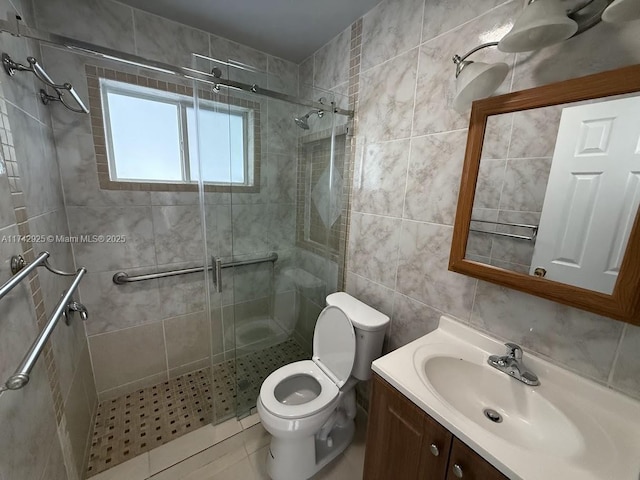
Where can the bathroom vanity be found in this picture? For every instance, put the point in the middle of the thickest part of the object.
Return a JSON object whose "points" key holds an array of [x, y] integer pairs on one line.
{"points": [[404, 442], [440, 411]]}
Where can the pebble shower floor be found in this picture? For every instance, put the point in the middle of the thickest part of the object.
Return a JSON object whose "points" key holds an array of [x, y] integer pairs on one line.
{"points": [[147, 418]]}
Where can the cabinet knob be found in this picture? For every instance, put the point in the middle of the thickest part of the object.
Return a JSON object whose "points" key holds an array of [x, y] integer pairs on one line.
{"points": [[457, 471], [434, 450]]}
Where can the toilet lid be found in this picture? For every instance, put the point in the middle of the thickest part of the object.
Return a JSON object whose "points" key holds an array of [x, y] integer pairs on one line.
{"points": [[334, 344]]}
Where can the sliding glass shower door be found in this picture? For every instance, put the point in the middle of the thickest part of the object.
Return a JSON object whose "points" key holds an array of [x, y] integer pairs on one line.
{"points": [[270, 199]]}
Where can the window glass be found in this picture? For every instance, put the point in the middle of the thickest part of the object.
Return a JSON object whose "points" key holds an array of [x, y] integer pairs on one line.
{"points": [[145, 138]]}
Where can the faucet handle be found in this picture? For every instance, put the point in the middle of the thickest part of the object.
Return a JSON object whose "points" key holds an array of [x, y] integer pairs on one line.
{"points": [[514, 351]]}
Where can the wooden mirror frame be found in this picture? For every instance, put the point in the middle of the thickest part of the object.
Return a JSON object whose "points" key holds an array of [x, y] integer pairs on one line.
{"points": [[624, 303]]}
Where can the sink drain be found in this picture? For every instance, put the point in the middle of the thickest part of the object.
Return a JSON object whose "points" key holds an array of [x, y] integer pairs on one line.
{"points": [[492, 415]]}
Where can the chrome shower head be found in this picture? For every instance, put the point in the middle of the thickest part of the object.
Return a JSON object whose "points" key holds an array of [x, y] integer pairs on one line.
{"points": [[303, 122]]}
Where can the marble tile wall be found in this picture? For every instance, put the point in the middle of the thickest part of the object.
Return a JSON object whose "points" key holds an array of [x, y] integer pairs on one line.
{"points": [[410, 148], [164, 229], [46, 424]]}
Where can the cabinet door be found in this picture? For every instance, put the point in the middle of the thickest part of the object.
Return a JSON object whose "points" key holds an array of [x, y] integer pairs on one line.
{"points": [[466, 464], [399, 437]]}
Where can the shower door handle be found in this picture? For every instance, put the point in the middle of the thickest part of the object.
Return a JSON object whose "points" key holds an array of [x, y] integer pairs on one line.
{"points": [[217, 273]]}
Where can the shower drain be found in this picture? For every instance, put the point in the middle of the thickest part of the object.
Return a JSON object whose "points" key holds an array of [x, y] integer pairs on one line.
{"points": [[492, 415]]}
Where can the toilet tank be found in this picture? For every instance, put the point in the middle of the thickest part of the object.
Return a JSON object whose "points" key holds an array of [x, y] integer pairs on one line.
{"points": [[369, 325]]}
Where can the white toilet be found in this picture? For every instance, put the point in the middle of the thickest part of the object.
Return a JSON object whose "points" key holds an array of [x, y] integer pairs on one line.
{"points": [[308, 407]]}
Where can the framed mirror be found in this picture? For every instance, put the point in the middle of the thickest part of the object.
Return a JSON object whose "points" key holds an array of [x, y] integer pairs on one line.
{"points": [[550, 190]]}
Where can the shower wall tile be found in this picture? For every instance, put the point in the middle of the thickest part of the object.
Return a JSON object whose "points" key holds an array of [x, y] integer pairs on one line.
{"points": [[114, 307], [182, 294], [177, 233], [282, 176], [55, 464], [411, 319], [497, 136], [250, 229], [436, 75], [386, 93], [187, 338], [380, 175], [128, 355], [40, 179], [7, 215], [223, 49], [78, 421], [282, 226], [281, 136], [626, 373], [283, 76], [102, 22], [373, 247], [28, 427], [390, 28], [133, 222], [583, 342], [166, 41], [306, 77], [20, 89], [332, 62], [434, 177], [441, 15]]}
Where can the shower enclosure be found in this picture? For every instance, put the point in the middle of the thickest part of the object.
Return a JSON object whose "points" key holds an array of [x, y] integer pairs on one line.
{"points": [[277, 215]]}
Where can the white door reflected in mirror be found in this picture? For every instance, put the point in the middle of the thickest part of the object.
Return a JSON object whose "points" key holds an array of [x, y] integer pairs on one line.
{"points": [[592, 195]]}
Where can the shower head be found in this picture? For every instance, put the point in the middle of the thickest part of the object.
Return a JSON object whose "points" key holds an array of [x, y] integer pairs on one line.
{"points": [[303, 122]]}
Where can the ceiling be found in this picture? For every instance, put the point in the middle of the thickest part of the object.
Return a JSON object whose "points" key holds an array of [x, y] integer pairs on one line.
{"points": [[290, 29]]}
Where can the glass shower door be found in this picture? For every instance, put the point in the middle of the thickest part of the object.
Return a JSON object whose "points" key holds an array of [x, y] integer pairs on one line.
{"points": [[273, 224]]}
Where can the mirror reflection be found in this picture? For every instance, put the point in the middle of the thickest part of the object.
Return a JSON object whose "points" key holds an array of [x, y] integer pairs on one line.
{"points": [[558, 190]]}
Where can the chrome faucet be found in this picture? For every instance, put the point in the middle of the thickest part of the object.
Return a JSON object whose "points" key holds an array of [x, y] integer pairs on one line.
{"points": [[512, 365]]}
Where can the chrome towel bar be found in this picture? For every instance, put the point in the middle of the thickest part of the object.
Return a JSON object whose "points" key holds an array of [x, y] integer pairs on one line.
{"points": [[530, 238], [121, 278], [11, 67], [21, 377], [21, 272]]}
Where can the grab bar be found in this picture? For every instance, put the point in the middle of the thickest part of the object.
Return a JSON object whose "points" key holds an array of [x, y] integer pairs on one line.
{"points": [[121, 278], [21, 377], [19, 276]]}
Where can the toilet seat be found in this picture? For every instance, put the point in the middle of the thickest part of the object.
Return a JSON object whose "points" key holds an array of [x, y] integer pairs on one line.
{"points": [[333, 356], [328, 391]]}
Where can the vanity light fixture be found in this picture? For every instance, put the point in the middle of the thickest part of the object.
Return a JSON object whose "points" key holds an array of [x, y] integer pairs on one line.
{"points": [[542, 23], [622, 11], [476, 79]]}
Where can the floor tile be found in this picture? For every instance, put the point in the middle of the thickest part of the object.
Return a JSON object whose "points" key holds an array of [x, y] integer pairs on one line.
{"points": [[250, 421], [174, 452], [255, 438]]}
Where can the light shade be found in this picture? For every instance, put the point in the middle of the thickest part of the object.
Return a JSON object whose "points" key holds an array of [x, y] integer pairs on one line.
{"points": [[543, 23], [622, 11], [478, 80]]}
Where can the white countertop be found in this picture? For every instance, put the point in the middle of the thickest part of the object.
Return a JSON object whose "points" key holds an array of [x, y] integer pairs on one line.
{"points": [[605, 445]]}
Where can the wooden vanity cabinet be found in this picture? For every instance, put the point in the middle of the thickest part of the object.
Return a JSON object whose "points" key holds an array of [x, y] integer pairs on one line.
{"points": [[405, 443]]}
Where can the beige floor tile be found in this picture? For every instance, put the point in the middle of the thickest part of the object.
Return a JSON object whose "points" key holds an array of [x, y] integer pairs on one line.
{"points": [[240, 469], [135, 469], [339, 469], [177, 450], [226, 429], [255, 438], [250, 421], [258, 461], [215, 458]]}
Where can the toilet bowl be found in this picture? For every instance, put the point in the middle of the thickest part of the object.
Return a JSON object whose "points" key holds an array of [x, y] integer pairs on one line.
{"points": [[308, 407]]}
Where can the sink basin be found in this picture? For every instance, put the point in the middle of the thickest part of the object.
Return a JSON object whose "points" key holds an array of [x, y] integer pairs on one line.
{"points": [[505, 407], [567, 427]]}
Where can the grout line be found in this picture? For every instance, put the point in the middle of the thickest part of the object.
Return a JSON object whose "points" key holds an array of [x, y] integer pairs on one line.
{"points": [[614, 363]]}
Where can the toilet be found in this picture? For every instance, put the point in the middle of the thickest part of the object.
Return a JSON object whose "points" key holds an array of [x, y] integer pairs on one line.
{"points": [[309, 407]]}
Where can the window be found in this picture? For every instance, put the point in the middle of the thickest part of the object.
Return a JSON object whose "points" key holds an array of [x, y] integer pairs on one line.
{"points": [[151, 137]]}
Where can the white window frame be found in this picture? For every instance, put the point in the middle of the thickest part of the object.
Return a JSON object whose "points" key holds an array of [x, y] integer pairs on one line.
{"points": [[182, 102]]}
